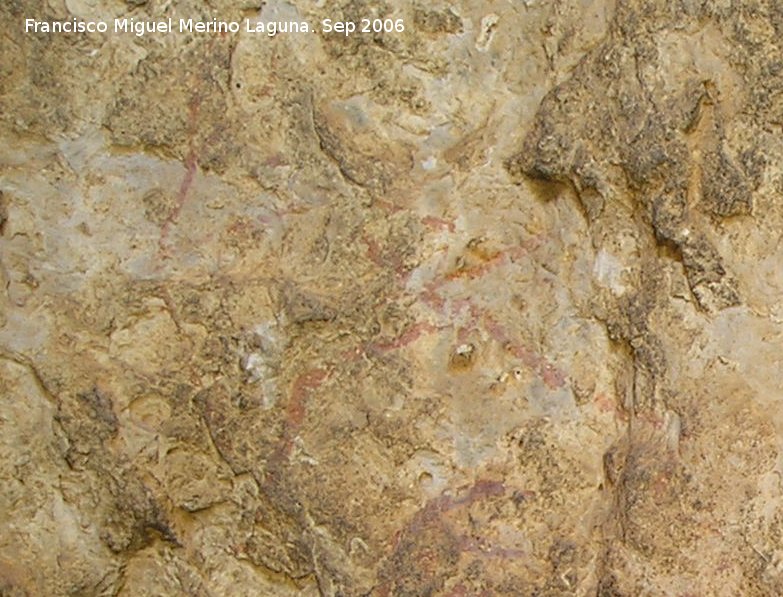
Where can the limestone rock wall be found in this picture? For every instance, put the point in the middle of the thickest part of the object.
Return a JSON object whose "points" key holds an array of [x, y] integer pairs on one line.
{"points": [[489, 306]]}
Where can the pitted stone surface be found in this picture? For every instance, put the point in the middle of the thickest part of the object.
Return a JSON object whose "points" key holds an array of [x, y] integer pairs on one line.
{"points": [[490, 306]]}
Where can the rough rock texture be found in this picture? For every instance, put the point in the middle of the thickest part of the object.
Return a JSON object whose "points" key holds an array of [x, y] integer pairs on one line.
{"points": [[487, 307]]}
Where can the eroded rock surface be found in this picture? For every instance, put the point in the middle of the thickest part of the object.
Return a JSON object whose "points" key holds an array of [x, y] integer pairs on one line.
{"points": [[490, 306]]}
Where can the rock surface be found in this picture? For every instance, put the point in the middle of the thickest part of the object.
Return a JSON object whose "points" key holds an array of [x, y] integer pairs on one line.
{"points": [[490, 306]]}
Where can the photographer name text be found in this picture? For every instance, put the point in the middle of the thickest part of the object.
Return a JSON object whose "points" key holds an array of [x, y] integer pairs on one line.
{"points": [[141, 28]]}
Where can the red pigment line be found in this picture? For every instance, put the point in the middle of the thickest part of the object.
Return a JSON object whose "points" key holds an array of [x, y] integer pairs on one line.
{"points": [[300, 392], [410, 335], [388, 206], [435, 223], [464, 334], [295, 413], [458, 591], [430, 519], [429, 296], [551, 376], [495, 260], [432, 297], [436, 507], [514, 253], [191, 165], [373, 250], [461, 591], [293, 209], [383, 260], [483, 488], [524, 495], [477, 271]]}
